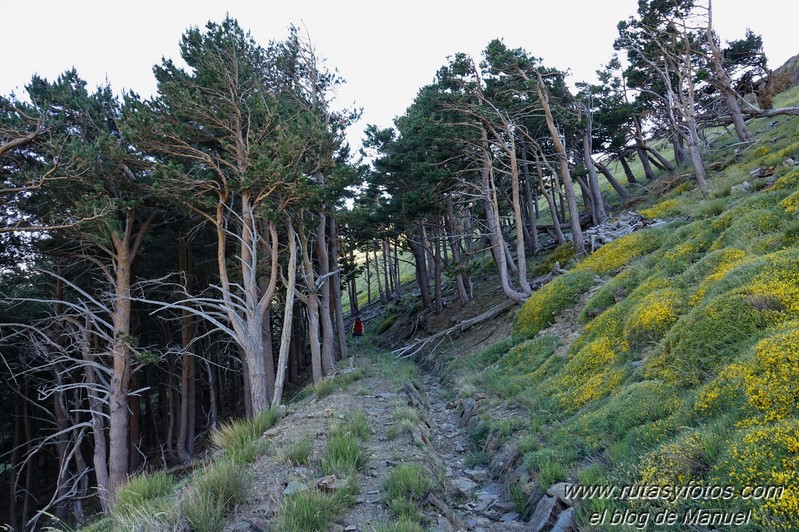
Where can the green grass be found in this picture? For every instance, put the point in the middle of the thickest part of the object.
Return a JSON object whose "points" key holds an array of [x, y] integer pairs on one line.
{"points": [[324, 387], [298, 452], [405, 487], [223, 481], [403, 524], [204, 512], [145, 487], [345, 455], [145, 503], [242, 432], [311, 510]]}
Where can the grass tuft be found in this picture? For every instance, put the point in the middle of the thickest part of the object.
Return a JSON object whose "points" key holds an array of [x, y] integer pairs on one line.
{"points": [[299, 452]]}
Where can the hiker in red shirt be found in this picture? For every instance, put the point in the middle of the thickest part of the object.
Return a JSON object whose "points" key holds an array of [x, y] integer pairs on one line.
{"points": [[357, 331]]}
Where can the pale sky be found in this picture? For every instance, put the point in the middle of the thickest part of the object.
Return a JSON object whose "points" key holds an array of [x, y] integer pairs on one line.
{"points": [[385, 51]]}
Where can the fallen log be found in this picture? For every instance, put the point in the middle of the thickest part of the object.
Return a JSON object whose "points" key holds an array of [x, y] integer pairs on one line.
{"points": [[416, 346]]}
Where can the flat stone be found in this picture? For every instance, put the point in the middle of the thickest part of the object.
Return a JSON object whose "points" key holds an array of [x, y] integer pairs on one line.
{"points": [[459, 448], [565, 521], [304, 472], [478, 473], [485, 503], [504, 506], [464, 485], [294, 487], [542, 514], [335, 528], [443, 525], [350, 528], [510, 516], [559, 490]]}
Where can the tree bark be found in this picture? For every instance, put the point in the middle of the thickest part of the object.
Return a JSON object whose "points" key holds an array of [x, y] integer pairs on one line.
{"points": [[420, 262], [627, 170], [724, 83], [341, 329], [493, 226], [574, 215], [454, 242], [620, 190], [325, 303], [187, 330], [600, 211], [288, 316]]}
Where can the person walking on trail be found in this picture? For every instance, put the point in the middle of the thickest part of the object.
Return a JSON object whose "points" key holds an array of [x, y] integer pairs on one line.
{"points": [[357, 331]]}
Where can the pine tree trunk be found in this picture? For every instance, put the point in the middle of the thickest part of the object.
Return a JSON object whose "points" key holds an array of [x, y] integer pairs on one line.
{"points": [[600, 212], [438, 276], [341, 329], [568, 186], [420, 261], [288, 316], [643, 156], [516, 202], [454, 242], [119, 416], [187, 330], [620, 190], [627, 170], [325, 303]]}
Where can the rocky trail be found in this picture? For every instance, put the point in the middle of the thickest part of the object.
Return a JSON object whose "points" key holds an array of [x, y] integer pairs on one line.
{"points": [[431, 434]]}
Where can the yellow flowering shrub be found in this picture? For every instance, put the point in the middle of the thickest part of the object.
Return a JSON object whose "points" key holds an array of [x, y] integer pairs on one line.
{"points": [[653, 316], [591, 374], [554, 297], [715, 396], [675, 463], [760, 152], [667, 207], [620, 252], [707, 338], [728, 259], [789, 150], [791, 203], [779, 281], [789, 181], [768, 456], [772, 384]]}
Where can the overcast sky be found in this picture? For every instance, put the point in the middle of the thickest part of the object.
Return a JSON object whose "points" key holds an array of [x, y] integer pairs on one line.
{"points": [[384, 50]]}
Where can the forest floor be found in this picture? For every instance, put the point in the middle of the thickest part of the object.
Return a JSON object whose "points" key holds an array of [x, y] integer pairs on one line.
{"points": [[412, 421]]}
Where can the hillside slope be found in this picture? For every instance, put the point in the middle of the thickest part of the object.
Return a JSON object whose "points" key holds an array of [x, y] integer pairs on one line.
{"points": [[669, 358], [659, 373]]}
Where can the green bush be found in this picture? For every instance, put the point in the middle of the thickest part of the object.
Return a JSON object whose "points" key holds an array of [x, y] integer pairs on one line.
{"points": [[528, 356], [621, 252], [708, 337], [618, 287], [554, 297]]}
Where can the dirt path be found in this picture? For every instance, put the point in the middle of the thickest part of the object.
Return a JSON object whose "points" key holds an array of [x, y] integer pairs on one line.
{"points": [[464, 497]]}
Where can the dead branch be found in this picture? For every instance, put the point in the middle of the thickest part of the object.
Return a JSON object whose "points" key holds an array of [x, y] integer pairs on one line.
{"points": [[417, 346]]}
